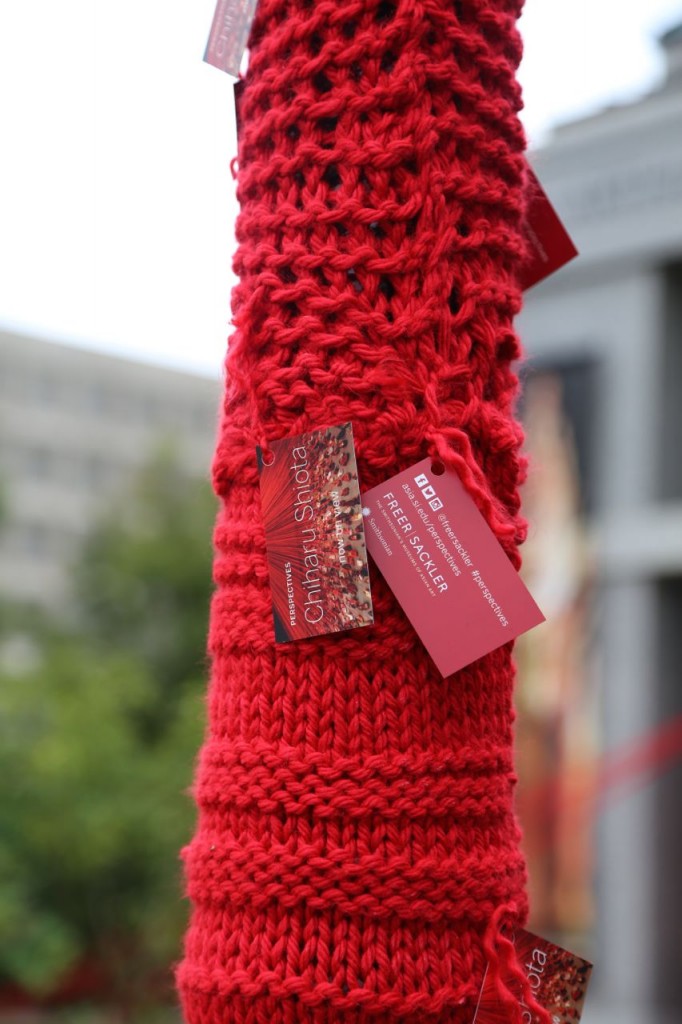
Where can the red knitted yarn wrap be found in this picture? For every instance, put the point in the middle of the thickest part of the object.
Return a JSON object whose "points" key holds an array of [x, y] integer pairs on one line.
{"points": [[356, 830]]}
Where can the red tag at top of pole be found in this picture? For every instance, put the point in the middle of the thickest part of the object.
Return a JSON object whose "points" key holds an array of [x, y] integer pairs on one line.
{"points": [[229, 34]]}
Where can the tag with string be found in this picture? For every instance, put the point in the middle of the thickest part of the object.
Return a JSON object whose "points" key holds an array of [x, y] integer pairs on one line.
{"points": [[445, 565], [530, 980]]}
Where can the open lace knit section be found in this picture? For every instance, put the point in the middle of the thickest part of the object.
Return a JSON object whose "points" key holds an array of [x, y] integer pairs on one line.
{"points": [[356, 829]]}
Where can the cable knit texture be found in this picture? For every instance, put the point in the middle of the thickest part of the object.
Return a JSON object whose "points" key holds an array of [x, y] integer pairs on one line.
{"points": [[356, 832]]}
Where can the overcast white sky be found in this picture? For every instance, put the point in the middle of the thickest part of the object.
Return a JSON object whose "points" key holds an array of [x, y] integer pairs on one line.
{"points": [[116, 201]]}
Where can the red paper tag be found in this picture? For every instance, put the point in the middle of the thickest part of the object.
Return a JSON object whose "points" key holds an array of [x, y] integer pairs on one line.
{"points": [[551, 245], [558, 980], [314, 534], [445, 566], [229, 34]]}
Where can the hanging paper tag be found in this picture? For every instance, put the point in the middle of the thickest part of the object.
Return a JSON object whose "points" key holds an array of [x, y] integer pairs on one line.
{"points": [[314, 534], [229, 34], [558, 980], [550, 244], [445, 566]]}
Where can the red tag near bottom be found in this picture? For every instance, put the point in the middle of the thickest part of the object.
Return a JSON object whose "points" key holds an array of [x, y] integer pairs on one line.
{"points": [[558, 980]]}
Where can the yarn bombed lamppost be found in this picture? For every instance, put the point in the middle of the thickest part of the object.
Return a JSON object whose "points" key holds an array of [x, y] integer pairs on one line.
{"points": [[356, 848]]}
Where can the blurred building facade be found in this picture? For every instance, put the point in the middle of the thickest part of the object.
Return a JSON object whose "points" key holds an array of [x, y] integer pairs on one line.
{"points": [[74, 427], [608, 329]]}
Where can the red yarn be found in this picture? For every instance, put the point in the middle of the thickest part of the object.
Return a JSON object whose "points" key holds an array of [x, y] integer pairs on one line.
{"points": [[356, 833]]}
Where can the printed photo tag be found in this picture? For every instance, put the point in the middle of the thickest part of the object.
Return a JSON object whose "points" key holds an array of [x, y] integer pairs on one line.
{"points": [[315, 534], [445, 566], [558, 980]]}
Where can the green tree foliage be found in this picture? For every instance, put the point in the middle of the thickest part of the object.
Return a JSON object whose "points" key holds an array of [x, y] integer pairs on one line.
{"points": [[98, 733], [143, 582]]}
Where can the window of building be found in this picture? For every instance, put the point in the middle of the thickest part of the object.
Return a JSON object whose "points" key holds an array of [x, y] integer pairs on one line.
{"points": [[44, 387], [39, 463], [670, 423], [94, 471], [34, 540]]}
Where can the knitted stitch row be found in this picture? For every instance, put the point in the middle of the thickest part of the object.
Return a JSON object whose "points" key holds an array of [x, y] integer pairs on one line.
{"points": [[355, 831]]}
